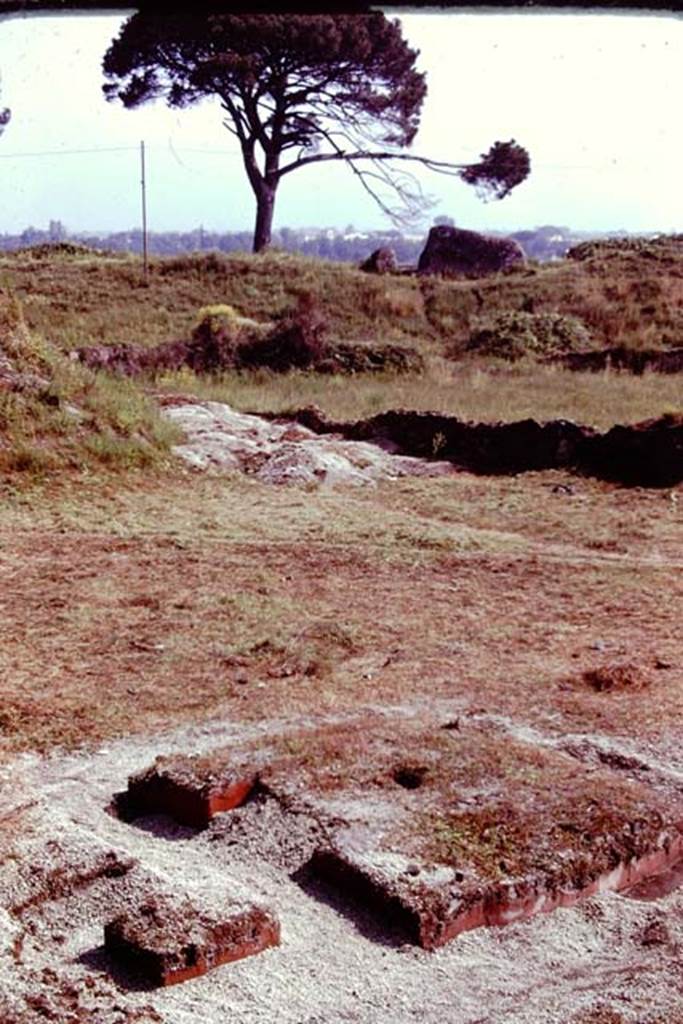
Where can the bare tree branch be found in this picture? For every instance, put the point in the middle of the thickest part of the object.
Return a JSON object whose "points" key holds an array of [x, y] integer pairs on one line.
{"points": [[440, 166]]}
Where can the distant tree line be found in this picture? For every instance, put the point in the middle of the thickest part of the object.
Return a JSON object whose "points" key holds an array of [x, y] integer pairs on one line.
{"points": [[349, 245]]}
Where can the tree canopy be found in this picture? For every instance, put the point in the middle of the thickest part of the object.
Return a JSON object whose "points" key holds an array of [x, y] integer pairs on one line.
{"points": [[298, 90]]}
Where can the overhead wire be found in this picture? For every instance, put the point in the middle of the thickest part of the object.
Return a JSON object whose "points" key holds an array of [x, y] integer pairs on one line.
{"points": [[68, 152], [112, 149]]}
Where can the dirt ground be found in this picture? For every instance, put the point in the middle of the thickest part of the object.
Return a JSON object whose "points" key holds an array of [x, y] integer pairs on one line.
{"points": [[183, 612]]}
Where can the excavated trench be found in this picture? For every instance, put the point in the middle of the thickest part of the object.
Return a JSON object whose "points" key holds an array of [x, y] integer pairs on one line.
{"points": [[304, 446], [637, 361], [647, 454]]}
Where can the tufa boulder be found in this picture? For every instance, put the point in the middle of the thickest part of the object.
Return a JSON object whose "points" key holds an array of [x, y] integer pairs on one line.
{"points": [[453, 252], [381, 261]]}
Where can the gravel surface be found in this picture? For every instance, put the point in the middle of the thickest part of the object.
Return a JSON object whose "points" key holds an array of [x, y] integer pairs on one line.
{"points": [[335, 963]]}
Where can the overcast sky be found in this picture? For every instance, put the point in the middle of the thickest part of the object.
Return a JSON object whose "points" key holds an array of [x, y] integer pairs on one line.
{"points": [[595, 98]]}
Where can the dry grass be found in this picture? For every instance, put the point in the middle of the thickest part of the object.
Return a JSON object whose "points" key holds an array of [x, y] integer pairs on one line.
{"points": [[70, 301], [89, 301], [477, 390], [159, 595], [621, 298], [125, 609]]}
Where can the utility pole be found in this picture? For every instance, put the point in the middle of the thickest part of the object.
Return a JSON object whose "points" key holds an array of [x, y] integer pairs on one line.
{"points": [[144, 209]]}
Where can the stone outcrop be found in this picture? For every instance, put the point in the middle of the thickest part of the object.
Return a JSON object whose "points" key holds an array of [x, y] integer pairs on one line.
{"points": [[279, 453], [452, 252]]}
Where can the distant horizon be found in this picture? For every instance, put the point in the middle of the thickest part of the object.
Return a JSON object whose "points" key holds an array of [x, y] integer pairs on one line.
{"points": [[388, 229]]}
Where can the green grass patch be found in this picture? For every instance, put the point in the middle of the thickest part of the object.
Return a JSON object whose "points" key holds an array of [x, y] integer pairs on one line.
{"points": [[57, 415]]}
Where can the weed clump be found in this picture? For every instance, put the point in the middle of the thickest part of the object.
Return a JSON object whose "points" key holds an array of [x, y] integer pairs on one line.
{"points": [[514, 334], [345, 358], [621, 677]]}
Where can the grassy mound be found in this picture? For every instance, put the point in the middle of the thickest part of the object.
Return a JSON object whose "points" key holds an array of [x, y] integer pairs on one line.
{"points": [[222, 340], [56, 415], [515, 334], [624, 296], [661, 247], [47, 250]]}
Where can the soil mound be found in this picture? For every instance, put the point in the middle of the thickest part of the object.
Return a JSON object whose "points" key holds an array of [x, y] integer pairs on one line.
{"points": [[648, 454], [617, 677], [660, 248], [45, 250], [169, 939], [478, 447]]}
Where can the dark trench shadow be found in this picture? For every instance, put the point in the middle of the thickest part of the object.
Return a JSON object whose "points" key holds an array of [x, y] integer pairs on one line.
{"points": [[380, 924], [99, 962], [162, 826]]}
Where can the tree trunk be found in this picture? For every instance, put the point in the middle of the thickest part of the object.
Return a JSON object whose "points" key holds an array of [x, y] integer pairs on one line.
{"points": [[265, 206]]}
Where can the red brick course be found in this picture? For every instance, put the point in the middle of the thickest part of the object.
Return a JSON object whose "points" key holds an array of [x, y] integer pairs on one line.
{"points": [[168, 940]]}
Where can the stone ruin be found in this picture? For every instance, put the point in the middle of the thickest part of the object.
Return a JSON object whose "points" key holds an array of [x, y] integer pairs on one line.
{"points": [[422, 828], [376, 842], [453, 252]]}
